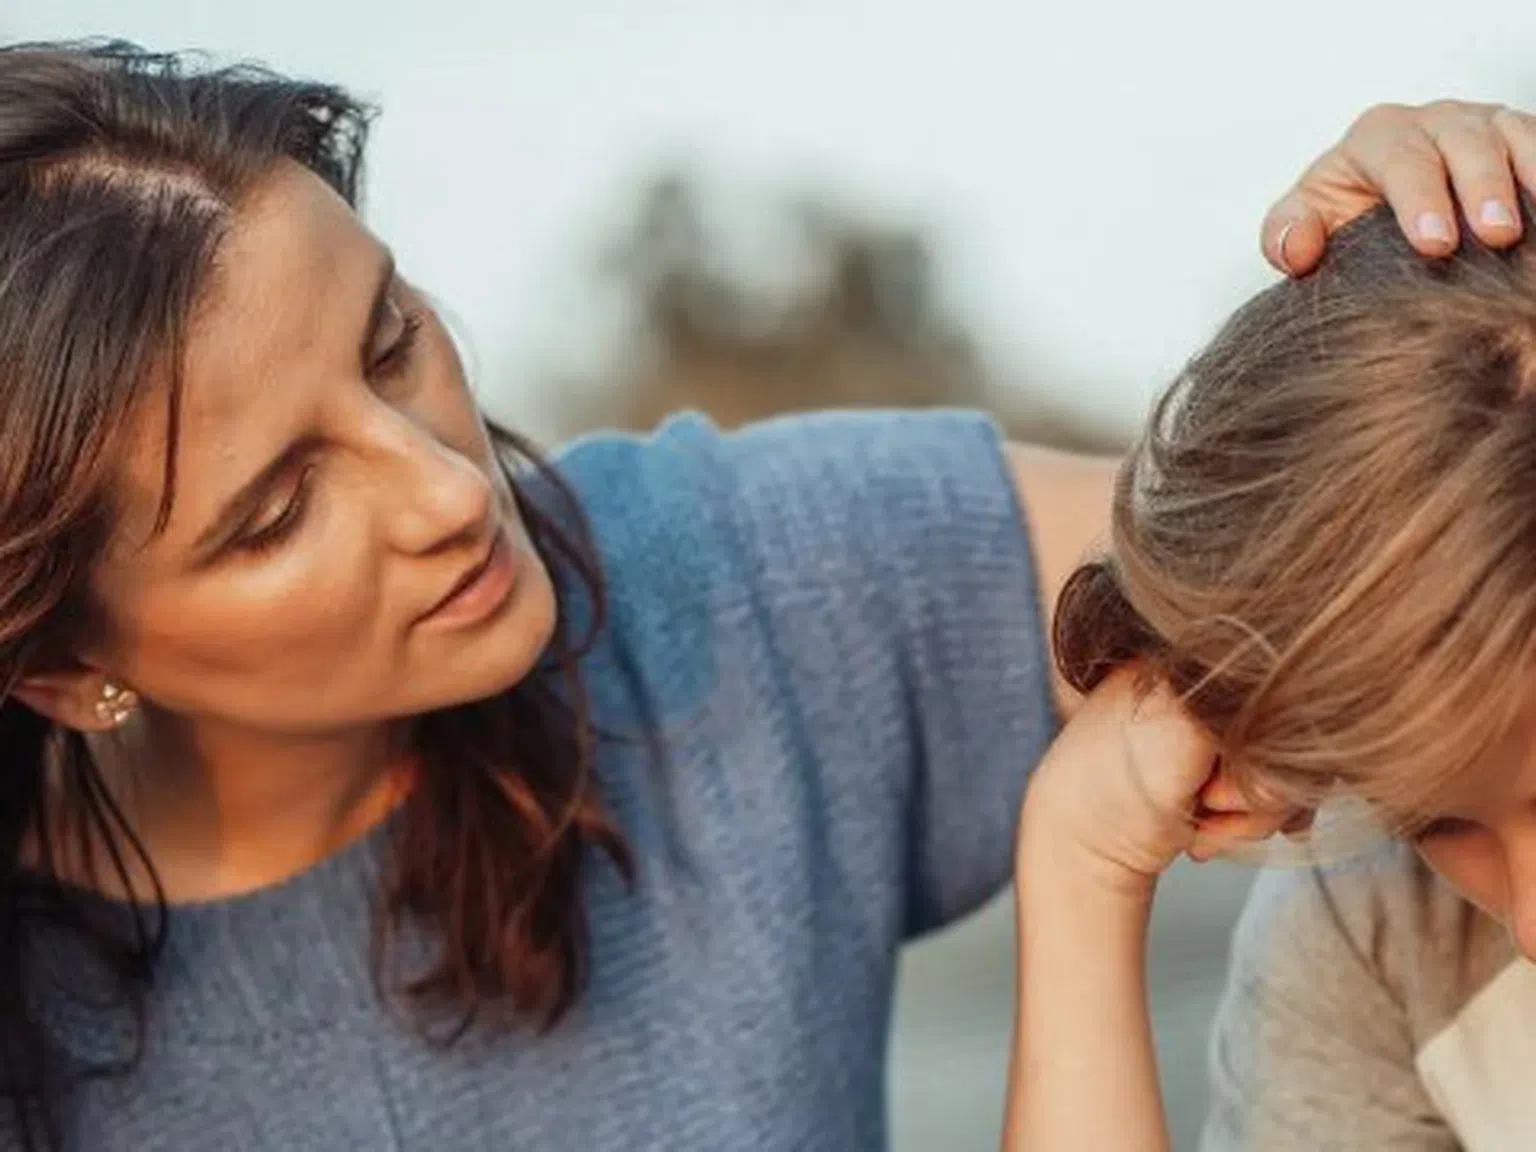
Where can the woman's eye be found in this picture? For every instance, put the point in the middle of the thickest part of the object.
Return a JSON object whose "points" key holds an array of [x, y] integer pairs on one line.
{"points": [[283, 523], [396, 341]]}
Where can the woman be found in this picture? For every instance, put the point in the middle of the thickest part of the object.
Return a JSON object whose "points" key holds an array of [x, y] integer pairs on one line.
{"points": [[370, 785], [1320, 584]]}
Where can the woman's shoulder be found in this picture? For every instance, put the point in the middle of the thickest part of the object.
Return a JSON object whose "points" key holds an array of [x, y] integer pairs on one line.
{"points": [[785, 498], [806, 449]]}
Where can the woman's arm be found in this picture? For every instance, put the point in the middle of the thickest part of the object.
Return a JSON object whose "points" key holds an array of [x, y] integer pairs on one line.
{"points": [[1067, 501]]}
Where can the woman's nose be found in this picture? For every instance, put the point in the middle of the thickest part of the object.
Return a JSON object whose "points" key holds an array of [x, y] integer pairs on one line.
{"points": [[441, 496]]}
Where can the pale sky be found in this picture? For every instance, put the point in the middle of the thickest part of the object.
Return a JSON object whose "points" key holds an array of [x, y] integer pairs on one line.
{"points": [[1095, 173]]}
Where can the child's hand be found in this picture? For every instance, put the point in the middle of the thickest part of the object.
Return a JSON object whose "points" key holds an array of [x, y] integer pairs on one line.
{"points": [[1130, 784]]}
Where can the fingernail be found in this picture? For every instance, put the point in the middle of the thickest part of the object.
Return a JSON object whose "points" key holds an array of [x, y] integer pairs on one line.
{"points": [[1280, 256], [1433, 226], [1494, 214]]}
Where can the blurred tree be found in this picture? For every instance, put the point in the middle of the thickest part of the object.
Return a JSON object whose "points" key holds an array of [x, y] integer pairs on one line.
{"points": [[862, 327]]}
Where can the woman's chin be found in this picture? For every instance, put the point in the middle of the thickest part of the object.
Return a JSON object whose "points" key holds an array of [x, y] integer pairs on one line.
{"points": [[479, 662]]}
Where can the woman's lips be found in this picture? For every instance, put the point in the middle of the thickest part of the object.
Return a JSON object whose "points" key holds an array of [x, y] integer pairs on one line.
{"points": [[479, 592]]}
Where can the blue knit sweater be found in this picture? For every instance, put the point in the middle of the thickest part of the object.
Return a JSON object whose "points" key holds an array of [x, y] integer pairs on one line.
{"points": [[833, 622]]}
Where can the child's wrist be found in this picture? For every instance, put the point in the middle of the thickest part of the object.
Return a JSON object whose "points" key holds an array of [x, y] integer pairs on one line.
{"points": [[1056, 851]]}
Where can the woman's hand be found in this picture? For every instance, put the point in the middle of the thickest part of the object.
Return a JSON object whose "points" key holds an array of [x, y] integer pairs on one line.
{"points": [[1415, 159], [1130, 784]]}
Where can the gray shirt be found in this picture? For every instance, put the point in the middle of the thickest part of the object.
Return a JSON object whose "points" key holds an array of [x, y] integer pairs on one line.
{"points": [[1370, 1008]]}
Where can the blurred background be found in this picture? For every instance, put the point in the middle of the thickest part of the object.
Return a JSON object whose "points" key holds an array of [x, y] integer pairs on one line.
{"points": [[747, 207]]}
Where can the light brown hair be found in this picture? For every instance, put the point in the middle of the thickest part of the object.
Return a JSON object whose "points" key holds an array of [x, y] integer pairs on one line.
{"points": [[1326, 535]]}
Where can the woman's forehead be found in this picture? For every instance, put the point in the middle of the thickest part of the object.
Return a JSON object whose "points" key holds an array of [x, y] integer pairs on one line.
{"points": [[279, 317], [279, 279]]}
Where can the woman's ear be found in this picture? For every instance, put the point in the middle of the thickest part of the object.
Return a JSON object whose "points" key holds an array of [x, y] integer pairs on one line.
{"points": [[85, 699]]}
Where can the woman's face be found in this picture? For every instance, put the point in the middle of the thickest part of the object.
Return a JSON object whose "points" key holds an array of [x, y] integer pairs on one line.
{"points": [[336, 496], [1484, 843]]}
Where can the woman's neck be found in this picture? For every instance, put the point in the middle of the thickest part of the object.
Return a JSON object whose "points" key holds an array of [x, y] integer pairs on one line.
{"points": [[223, 811]]}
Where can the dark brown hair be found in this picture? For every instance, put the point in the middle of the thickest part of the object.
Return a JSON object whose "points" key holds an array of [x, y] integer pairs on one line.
{"points": [[1326, 536], [120, 172]]}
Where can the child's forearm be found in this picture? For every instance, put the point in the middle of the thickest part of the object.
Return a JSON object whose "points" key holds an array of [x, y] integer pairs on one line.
{"points": [[1084, 1070]]}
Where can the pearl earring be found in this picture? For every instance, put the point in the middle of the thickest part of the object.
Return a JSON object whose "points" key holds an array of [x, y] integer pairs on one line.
{"points": [[116, 704]]}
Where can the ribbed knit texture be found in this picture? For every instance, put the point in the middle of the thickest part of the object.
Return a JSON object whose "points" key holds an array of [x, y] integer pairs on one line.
{"points": [[833, 623]]}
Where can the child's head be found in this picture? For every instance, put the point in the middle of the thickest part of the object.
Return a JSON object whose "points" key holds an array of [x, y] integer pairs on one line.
{"points": [[1327, 539]]}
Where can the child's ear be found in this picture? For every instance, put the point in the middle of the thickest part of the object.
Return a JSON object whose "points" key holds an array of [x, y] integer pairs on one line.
{"points": [[83, 698]]}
